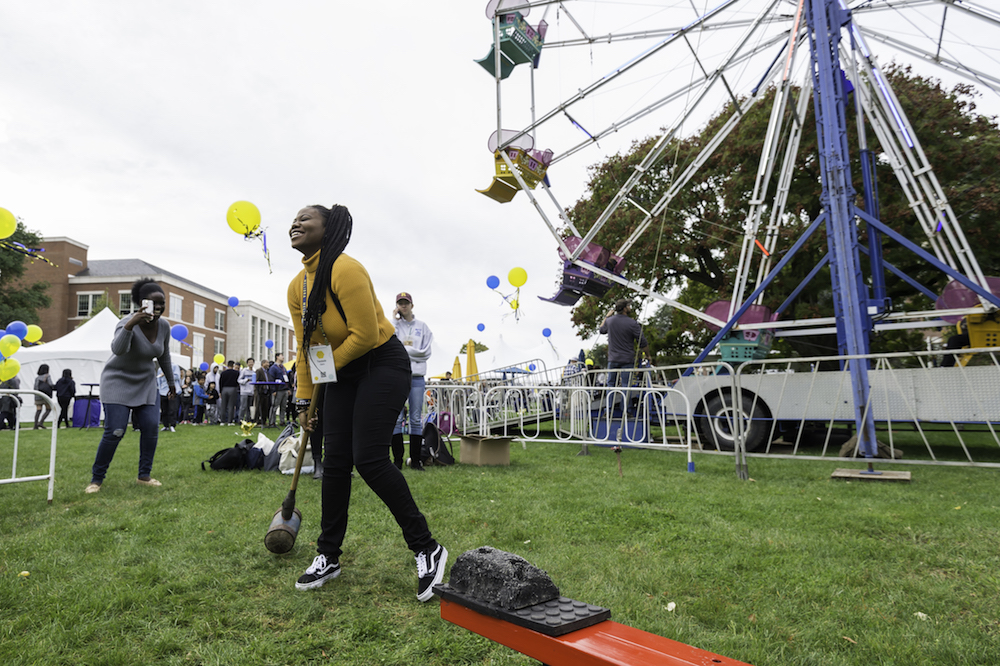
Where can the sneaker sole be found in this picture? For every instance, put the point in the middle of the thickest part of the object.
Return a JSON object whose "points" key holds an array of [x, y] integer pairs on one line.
{"points": [[316, 583], [438, 577]]}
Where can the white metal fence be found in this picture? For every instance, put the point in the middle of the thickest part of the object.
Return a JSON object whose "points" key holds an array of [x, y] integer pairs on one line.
{"points": [[788, 408], [14, 478]]}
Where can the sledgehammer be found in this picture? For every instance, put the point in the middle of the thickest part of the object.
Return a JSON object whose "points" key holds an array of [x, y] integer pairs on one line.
{"points": [[284, 527]]}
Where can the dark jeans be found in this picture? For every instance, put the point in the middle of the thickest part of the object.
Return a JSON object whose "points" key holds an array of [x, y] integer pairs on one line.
{"points": [[64, 412], [359, 412], [262, 406], [116, 417]]}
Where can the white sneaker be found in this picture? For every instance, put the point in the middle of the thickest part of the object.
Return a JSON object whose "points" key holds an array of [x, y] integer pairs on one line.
{"points": [[172, 429], [430, 571], [318, 573]]}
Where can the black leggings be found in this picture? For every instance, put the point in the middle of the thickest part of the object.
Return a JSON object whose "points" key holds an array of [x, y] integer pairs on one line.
{"points": [[359, 413], [63, 410]]}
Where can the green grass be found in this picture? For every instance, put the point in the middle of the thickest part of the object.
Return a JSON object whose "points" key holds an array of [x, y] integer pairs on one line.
{"points": [[791, 568]]}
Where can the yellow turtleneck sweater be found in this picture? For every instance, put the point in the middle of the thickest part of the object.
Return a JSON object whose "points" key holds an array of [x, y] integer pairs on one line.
{"points": [[366, 327]]}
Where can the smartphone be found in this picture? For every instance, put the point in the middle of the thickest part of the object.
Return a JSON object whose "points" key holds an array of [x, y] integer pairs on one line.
{"points": [[147, 306]]}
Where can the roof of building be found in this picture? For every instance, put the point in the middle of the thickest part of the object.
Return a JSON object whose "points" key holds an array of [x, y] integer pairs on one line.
{"points": [[132, 268]]}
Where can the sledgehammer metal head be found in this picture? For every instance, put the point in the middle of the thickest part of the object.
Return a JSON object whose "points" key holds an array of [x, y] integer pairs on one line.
{"points": [[281, 534]]}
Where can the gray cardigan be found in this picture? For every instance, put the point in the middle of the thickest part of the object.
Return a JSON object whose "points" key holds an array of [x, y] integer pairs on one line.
{"points": [[129, 377]]}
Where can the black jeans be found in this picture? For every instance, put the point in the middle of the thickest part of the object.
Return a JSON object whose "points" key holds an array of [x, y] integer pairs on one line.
{"points": [[359, 412]]}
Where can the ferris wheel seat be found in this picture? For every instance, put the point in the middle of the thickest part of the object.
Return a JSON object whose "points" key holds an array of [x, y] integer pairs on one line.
{"points": [[956, 295], [564, 297], [519, 43], [582, 280], [755, 314], [501, 190]]}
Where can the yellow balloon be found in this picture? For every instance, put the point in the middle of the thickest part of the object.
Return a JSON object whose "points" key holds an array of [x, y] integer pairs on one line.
{"points": [[243, 217], [8, 223], [517, 276], [9, 369], [9, 344], [34, 333], [219, 358]]}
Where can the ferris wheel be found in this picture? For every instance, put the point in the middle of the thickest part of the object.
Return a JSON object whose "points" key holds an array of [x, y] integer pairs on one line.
{"points": [[729, 56], [575, 76]]}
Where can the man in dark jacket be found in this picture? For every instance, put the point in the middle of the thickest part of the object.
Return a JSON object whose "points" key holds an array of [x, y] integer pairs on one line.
{"points": [[626, 343]]}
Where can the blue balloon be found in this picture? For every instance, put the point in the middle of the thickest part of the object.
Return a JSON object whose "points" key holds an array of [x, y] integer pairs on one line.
{"points": [[3, 332], [233, 301], [546, 332], [481, 327], [531, 367], [203, 366], [18, 328], [178, 332], [493, 282], [269, 343]]}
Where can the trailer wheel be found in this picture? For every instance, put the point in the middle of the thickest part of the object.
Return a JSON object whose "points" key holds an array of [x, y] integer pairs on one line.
{"points": [[716, 427]]}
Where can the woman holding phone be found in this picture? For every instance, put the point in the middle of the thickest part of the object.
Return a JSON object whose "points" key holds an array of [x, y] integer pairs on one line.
{"points": [[338, 318], [128, 382]]}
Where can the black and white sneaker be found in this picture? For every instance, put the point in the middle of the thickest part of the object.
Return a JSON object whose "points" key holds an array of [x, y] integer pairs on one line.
{"points": [[320, 571], [430, 571]]}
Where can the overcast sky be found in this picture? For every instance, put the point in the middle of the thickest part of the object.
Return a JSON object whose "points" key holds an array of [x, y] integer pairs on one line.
{"points": [[132, 126]]}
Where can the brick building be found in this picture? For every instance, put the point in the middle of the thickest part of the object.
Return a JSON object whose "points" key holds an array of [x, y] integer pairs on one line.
{"points": [[77, 284]]}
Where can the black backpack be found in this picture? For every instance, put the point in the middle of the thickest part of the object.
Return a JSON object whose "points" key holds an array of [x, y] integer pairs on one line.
{"points": [[436, 448], [234, 458]]}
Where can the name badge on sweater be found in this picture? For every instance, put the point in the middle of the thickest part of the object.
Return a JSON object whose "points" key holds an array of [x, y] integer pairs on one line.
{"points": [[321, 364]]}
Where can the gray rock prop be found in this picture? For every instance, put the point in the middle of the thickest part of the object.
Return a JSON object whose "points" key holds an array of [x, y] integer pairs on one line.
{"points": [[501, 579], [850, 450]]}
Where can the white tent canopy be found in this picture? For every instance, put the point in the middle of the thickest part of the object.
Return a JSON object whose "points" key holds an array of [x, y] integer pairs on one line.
{"points": [[84, 351]]}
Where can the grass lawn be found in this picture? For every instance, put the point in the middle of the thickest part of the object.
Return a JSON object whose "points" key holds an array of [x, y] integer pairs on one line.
{"points": [[790, 568]]}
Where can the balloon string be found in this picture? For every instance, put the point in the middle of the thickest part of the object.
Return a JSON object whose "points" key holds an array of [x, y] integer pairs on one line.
{"points": [[259, 233]]}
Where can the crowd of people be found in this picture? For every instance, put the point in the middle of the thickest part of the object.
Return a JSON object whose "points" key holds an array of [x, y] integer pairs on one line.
{"points": [[229, 394]]}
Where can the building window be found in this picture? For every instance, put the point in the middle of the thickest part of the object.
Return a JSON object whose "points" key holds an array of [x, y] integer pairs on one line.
{"points": [[253, 337], [125, 303], [198, 351], [175, 348], [176, 306], [85, 303], [220, 346], [220, 320], [199, 314]]}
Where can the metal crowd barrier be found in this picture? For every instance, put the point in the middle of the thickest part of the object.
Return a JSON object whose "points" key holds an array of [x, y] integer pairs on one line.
{"points": [[51, 476]]}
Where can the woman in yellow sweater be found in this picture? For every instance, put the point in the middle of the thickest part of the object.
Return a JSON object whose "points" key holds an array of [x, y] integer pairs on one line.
{"points": [[334, 310]]}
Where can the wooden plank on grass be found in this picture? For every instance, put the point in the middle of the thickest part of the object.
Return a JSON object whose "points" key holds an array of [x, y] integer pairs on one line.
{"points": [[864, 475]]}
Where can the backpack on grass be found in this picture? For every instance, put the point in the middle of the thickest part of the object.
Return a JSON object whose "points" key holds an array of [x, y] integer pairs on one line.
{"points": [[437, 444], [240, 456]]}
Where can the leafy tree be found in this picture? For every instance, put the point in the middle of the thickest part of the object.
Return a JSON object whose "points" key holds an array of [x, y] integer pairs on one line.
{"points": [[101, 302], [693, 247], [478, 347], [19, 301]]}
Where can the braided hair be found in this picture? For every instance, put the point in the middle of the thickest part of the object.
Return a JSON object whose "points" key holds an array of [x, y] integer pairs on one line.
{"points": [[337, 226]]}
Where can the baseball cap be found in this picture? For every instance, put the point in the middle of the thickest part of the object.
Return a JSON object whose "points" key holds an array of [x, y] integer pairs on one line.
{"points": [[404, 296]]}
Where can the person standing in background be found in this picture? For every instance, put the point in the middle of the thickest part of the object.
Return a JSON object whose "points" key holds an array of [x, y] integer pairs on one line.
{"points": [[416, 337], [65, 392], [277, 373], [229, 394], [246, 379]]}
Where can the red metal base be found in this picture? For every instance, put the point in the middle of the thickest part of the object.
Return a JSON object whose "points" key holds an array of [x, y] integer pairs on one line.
{"points": [[604, 643]]}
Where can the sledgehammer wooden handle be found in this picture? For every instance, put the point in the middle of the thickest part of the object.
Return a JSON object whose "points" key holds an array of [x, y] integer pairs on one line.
{"points": [[289, 504]]}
